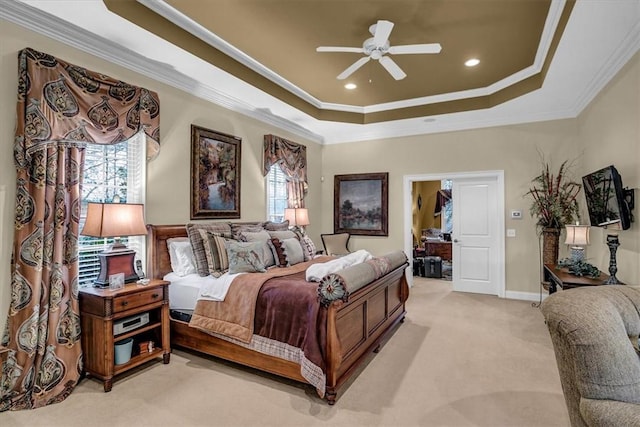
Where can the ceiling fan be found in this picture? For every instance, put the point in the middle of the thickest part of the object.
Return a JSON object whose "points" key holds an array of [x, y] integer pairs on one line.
{"points": [[377, 47]]}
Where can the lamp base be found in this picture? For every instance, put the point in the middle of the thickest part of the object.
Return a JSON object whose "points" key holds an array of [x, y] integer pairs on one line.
{"points": [[577, 254], [613, 243], [114, 262]]}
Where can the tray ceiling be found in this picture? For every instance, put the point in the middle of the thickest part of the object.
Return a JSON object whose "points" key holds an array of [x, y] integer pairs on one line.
{"points": [[540, 59], [277, 39]]}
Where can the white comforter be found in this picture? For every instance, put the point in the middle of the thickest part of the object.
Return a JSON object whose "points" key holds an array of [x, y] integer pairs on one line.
{"points": [[316, 272]]}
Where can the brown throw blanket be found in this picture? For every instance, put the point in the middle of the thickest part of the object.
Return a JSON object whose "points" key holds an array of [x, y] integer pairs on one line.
{"points": [[234, 317]]}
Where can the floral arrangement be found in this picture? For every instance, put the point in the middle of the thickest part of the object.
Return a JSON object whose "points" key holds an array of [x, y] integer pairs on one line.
{"points": [[579, 268], [554, 197]]}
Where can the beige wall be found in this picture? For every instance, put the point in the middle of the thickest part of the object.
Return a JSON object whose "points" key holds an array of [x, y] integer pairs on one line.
{"points": [[168, 176], [609, 133], [606, 133], [513, 149]]}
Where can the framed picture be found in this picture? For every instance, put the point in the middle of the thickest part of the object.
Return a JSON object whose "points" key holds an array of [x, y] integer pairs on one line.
{"points": [[215, 174], [360, 204]]}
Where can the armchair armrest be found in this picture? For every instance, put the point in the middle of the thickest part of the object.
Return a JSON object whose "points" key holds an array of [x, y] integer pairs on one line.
{"points": [[598, 413]]}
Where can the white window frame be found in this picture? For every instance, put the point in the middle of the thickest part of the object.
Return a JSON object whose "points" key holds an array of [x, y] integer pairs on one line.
{"points": [[134, 192], [277, 194]]}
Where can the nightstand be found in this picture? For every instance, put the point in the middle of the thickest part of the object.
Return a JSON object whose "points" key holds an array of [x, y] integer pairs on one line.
{"points": [[100, 309]]}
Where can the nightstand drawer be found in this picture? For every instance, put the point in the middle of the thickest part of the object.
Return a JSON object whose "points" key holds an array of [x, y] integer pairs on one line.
{"points": [[128, 302]]}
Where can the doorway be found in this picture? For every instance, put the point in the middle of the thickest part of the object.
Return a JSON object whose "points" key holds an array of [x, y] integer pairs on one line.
{"points": [[493, 267]]}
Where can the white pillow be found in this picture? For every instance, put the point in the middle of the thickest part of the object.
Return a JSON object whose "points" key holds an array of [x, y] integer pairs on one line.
{"points": [[181, 257]]}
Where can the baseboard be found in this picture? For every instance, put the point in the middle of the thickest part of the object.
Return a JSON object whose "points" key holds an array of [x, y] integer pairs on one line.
{"points": [[525, 296]]}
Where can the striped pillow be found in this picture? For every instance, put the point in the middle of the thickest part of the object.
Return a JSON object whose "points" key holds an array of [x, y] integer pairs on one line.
{"points": [[216, 252], [221, 228]]}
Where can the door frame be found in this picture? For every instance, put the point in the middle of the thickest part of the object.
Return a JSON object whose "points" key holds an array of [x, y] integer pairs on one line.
{"points": [[498, 175]]}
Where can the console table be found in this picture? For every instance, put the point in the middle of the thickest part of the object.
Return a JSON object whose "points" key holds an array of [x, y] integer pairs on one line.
{"points": [[561, 278]]}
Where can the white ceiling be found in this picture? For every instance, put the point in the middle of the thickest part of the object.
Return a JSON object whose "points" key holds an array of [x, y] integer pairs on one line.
{"points": [[600, 37]]}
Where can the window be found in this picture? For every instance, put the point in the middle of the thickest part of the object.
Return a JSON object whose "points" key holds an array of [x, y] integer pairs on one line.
{"points": [[447, 209], [110, 170], [276, 194]]}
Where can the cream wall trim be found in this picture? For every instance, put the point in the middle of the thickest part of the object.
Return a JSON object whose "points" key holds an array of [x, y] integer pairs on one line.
{"points": [[408, 180], [448, 123], [53, 27], [170, 13], [617, 60], [526, 296]]}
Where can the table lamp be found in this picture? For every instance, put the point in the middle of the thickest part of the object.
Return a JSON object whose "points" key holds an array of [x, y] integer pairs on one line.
{"points": [[577, 236], [297, 217], [115, 220]]}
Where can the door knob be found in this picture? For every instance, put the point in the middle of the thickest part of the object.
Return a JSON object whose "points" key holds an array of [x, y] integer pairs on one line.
{"points": [[455, 240]]}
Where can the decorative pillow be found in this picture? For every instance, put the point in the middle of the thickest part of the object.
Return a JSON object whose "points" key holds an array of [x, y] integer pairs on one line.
{"points": [[216, 252], [282, 234], [241, 227], [308, 247], [278, 254], [288, 251], [254, 236], [293, 251], [244, 257], [266, 254], [276, 226], [197, 245], [181, 256]]}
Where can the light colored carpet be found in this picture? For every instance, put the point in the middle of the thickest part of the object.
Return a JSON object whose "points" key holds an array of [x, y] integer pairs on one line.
{"points": [[457, 360]]}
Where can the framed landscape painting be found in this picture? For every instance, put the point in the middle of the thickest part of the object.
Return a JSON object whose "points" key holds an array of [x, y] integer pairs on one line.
{"points": [[215, 174], [360, 204]]}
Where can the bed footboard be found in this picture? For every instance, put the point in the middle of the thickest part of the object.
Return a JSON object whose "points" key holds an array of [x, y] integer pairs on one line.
{"points": [[357, 328]]}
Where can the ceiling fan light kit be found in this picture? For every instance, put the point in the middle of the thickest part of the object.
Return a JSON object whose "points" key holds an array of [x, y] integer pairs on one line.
{"points": [[377, 47]]}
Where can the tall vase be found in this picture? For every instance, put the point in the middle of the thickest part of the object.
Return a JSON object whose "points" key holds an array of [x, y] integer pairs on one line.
{"points": [[550, 245]]}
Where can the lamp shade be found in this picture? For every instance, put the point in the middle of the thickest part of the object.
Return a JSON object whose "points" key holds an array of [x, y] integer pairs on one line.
{"points": [[297, 216], [577, 235], [114, 220]]}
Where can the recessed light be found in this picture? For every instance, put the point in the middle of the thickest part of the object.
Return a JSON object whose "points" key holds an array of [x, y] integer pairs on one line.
{"points": [[472, 62], [350, 86]]}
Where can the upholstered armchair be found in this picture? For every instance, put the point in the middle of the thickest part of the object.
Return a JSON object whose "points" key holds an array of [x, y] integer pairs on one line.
{"points": [[336, 244], [595, 338]]}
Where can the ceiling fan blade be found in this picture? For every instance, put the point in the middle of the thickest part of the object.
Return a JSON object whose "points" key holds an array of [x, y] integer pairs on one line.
{"points": [[393, 68], [383, 30], [339, 49], [359, 63], [416, 48]]}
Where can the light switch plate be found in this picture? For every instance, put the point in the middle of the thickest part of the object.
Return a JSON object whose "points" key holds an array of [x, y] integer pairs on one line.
{"points": [[511, 232], [516, 214]]}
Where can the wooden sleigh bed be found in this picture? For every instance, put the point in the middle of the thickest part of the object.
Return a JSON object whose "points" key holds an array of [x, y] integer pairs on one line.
{"points": [[354, 329]]}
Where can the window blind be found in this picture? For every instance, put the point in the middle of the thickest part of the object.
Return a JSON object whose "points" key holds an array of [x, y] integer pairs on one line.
{"points": [[110, 170]]}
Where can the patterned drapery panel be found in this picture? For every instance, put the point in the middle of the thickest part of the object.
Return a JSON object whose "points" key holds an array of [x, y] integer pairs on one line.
{"points": [[61, 108], [292, 159]]}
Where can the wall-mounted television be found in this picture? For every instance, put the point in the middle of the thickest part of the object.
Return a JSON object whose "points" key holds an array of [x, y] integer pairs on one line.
{"points": [[608, 202]]}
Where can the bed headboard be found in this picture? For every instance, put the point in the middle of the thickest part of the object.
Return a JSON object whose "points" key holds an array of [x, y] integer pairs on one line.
{"points": [[158, 262]]}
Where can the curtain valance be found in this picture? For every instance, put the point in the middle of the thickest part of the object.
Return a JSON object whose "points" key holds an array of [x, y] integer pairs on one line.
{"points": [[292, 159], [61, 103]]}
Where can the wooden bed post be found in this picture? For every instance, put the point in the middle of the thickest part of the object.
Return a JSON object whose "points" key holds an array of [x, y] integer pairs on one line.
{"points": [[334, 352]]}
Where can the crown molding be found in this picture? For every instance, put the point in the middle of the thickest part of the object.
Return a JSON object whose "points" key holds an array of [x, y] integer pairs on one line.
{"points": [[614, 63], [55, 28]]}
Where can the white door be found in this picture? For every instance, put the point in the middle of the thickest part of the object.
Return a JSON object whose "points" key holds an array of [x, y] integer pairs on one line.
{"points": [[476, 237]]}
